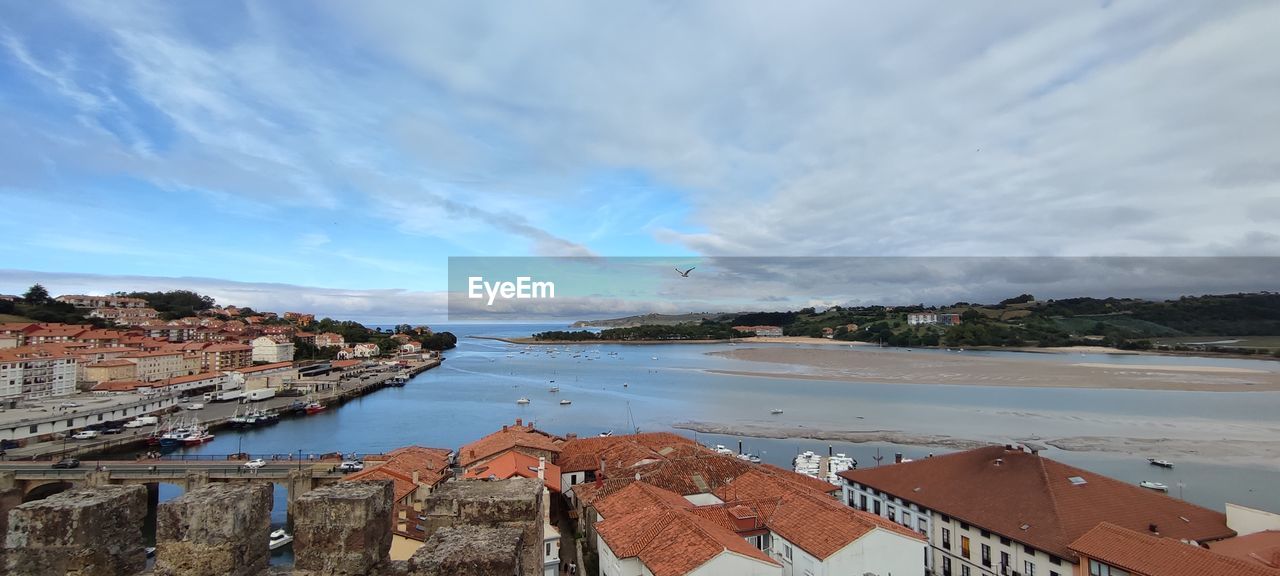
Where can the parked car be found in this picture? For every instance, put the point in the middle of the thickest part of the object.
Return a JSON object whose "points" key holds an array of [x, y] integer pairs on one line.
{"points": [[195, 406], [85, 435], [68, 405], [351, 466], [67, 463], [113, 429], [255, 463]]}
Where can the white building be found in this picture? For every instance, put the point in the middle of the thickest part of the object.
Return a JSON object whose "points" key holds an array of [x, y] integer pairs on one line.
{"points": [[921, 318], [1003, 510], [33, 377], [266, 349]]}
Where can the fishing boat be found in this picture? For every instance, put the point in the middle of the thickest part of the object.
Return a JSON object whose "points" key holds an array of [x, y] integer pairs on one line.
{"points": [[776, 411], [279, 538], [1160, 463], [237, 420], [198, 436], [314, 407], [522, 400], [1157, 486], [566, 402], [297, 407]]}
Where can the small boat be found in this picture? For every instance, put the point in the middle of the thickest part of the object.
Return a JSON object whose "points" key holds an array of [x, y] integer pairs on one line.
{"points": [[624, 384], [197, 437], [314, 407], [653, 357], [150, 551], [1157, 486], [522, 401], [566, 402], [776, 411], [720, 449], [553, 389], [606, 434], [1160, 463], [279, 538]]}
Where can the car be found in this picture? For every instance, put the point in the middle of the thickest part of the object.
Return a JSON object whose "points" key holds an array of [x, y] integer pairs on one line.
{"points": [[67, 463], [85, 435], [195, 406], [351, 466], [68, 405], [113, 429], [255, 464]]}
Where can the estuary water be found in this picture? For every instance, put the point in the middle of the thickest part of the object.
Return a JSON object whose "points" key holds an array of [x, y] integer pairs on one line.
{"points": [[650, 387]]}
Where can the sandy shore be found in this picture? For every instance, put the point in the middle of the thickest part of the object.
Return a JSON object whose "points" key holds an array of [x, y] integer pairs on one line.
{"points": [[900, 367], [1258, 453], [529, 341]]}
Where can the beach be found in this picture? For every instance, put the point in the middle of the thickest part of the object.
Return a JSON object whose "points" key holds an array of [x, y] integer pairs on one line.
{"points": [[873, 365]]}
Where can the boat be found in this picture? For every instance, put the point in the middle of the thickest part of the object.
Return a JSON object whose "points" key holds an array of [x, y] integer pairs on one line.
{"points": [[776, 411], [1160, 463], [279, 538], [1157, 486], [314, 407], [720, 449], [198, 436], [753, 458], [606, 434], [150, 551], [553, 389], [237, 421], [566, 402], [522, 400]]}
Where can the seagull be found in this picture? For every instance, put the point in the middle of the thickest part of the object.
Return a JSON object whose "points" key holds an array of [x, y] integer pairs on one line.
{"points": [[685, 273]]}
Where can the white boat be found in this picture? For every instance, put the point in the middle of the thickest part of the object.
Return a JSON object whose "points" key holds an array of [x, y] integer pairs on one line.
{"points": [[606, 434], [1160, 463], [566, 402], [1157, 486], [776, 411], [522, 401], [279, 538], [553, 389], [720, 449]]}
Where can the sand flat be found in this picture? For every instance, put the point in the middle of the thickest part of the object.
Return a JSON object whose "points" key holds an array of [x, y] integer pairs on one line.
{"points": [[875, 365]]}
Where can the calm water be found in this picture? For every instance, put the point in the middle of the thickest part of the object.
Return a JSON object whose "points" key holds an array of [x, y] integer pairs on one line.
{"points": [[475, 390]]}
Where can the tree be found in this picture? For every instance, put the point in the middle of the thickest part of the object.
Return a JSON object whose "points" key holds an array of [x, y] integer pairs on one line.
{"points": [[36, 294]]}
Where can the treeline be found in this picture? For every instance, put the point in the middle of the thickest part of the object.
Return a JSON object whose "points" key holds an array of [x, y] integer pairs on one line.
{"points": [[173, 304], [37, 305]]}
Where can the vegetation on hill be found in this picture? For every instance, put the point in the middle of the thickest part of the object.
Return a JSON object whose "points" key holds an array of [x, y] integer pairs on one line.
{"points": [[173, 304], [705, 330], [38, 306]]}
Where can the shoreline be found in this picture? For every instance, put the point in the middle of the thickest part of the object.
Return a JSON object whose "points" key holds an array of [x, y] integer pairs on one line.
{"points": [[531, 342], [927, 368], [1252, 453]]}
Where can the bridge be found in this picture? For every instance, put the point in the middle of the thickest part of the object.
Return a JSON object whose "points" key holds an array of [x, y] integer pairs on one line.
{"points": [[27, 481]]}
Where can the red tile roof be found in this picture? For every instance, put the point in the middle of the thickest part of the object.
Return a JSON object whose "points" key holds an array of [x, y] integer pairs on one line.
{"points": [[665, 534], [583, 454], [512, 464], [1261, 548], [1033, 499], [509, 437], [1148, 555], [431, 464], [264, 367]]}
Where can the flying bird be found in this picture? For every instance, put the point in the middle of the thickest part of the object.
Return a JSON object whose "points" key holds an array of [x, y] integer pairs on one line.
{"points": [[685, 273]]}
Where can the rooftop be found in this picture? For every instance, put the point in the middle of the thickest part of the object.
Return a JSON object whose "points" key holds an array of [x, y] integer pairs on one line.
{"points": [[1149, 555], [1035, 500], [509, 437], [513, 464]]}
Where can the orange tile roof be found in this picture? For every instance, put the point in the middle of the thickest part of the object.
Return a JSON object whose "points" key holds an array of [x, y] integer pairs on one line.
{"points": [[1148, 555], [194, 377], [109, 363], [264, 367], [431, 464], [582, 454], [153, 354], [345, 363], [1262, 548], [512, 464], [1033, 500], [509, 437], [665, 534]]}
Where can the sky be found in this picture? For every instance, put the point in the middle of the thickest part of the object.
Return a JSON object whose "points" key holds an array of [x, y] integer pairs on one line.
{"points": [[335, 154]]}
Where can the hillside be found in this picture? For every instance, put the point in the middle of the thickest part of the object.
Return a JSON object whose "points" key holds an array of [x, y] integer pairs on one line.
{"points": [[650, 320]]}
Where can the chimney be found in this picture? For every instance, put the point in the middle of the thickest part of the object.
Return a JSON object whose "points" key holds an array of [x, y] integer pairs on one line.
{"points": [[1153, 528], [571, 436], [739, 447], [542, 468], [999, 461], [504, 427], [415, 478], [830, 451], [519, 421], [897, 457], [601, 472]]}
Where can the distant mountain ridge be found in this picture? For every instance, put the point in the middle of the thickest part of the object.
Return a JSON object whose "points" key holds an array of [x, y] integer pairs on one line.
{"points": [[654, 320]]}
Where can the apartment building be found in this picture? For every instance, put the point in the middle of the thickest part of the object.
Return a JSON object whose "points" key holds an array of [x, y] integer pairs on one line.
{"points": [[268, 349], [82, 301], [31, 376], [1007, 510], [226, 356], [330, 339], [161, 364]]}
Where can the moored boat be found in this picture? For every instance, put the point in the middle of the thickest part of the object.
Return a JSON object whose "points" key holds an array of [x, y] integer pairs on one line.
{"points": [[314, 407], [1157, 486], [522, 401], [566, 402], [279, 538], [1160, 463]]}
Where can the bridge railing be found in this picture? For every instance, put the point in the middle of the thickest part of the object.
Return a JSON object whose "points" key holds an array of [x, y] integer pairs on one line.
{"points": [[43, 473]]}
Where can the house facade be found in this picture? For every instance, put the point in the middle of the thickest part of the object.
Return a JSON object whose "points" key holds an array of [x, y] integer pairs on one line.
{"points": [[267, 349]]}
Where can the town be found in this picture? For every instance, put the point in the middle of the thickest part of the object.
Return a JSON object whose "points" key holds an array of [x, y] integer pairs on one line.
{"points": [[524, 501]]}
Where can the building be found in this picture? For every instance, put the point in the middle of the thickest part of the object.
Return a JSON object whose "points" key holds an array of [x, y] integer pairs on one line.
{"points": [[29, 375], [770, 525], [162, 364], [226, 356], [125, 316], [82, 301], [300, 319], [1111, 550], [53, 333], [274, 375], [410, 348], [1003, 509], [267, 349], [106, 370], [771, 331], [520, 438], [930, 318], [330, 339], [415, 471]]}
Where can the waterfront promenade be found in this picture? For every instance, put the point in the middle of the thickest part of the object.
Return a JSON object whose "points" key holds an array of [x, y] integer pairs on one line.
{"points": [[216, 415]]}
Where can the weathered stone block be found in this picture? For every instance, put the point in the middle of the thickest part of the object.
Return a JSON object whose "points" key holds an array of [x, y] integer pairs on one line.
{"points": [[343, 529], [94, 532], [220, 529], [469, 551], [516, 502]]}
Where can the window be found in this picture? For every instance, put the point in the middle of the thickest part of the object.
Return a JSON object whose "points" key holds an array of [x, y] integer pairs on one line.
{"points": [[986, 534], [1097, 568], [862, 502], [946, 539], [876, 505], [548, 549], [964, 570], [986, 555], [786, 551], [1004, 540], [893, 513], [964, 526], [1005, 565], [922, 526], [33, 428], [964, 547], [1028, 550], [1028, 568], [1052, 573], [1056, 561], [946, 566]]}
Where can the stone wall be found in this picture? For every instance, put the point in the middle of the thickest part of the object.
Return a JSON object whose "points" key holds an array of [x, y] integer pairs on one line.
{"points": [[476, 528]]}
